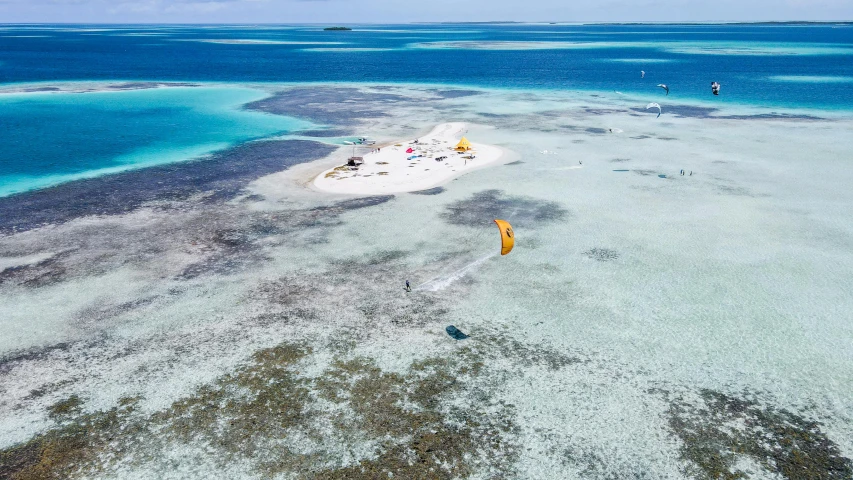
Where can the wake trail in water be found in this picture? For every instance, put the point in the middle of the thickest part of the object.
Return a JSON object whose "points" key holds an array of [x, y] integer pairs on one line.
{"points": [[443, 281]]}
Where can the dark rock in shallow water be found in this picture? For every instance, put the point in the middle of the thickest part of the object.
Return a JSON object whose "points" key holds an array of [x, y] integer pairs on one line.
{"points": [[150, 85], [328, 105], [692, 111], [47, 272], [771, 116], [456, 93], [602, 254], [455, 333], [222, 174], [719, 431], [355, 204], [481, 208], [334, 132], [688, 111], [11, 360], [42, 89], [429, 191]]}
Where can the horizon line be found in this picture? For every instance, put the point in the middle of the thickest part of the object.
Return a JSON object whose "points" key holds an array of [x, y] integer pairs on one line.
{"points": [[490, 22]]}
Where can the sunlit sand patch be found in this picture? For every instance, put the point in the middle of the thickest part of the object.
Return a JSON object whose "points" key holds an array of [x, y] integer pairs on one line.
{"points": [[250, 41], [687, 48], [27, 260], [241, 27], [416, 31], [752, 48], [87, 87], [812, 78], [349, 50], [88, 30], [517, 45], [406, 166], [555, 32], [143, 34], [639, 60]]}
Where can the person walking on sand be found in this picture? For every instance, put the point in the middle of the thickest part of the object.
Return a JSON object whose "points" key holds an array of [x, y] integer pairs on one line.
{"points": [[408, 287]]}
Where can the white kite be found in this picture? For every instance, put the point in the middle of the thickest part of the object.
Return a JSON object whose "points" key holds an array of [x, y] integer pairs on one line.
{"points": [[654, 105], [642, 74], [664, 87]]}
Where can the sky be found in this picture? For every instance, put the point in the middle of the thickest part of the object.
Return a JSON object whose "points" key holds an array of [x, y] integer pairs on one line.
{"points": [[397, 11]]}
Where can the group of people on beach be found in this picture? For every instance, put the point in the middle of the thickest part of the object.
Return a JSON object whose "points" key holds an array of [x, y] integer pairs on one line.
{"points": [[682, 173]]}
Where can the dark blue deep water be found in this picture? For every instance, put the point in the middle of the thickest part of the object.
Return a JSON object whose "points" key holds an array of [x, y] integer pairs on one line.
{"points": [[746, 59]]}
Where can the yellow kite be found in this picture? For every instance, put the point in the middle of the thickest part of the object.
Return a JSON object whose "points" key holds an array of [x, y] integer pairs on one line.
{"points": [[507, 236]]}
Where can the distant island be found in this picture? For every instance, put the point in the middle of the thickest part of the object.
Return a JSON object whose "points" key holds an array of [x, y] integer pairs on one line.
{"points": [[337, 28]]}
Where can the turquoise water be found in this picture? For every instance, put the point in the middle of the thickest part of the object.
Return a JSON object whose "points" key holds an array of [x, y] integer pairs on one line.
{"points": [[49, 138]]}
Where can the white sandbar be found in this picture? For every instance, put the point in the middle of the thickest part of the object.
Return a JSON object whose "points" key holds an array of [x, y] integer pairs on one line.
{"points": [[389, 169]]}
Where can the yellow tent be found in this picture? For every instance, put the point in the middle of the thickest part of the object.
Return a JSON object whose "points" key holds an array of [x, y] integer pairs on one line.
{"points": [[463, 145]]}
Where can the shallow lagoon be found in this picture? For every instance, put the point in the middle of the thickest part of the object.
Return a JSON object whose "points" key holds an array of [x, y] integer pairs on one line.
{"points": [[634, 311]]}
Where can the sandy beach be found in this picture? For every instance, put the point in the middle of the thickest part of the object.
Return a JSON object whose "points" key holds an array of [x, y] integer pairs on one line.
{"points": [[411, 165]]}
